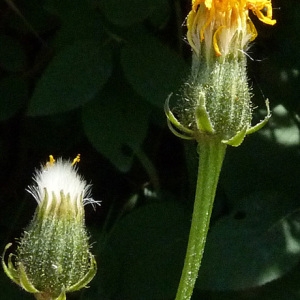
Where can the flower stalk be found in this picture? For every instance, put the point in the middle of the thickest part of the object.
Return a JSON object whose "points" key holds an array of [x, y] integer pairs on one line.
{"points": [[211, 156]]}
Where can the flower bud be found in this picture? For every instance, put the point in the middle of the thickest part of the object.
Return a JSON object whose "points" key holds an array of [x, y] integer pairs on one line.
{"points": [[53, 255]]}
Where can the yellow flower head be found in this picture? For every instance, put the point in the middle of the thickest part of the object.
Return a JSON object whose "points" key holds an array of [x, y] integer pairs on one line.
{"points": [[218, 23]]}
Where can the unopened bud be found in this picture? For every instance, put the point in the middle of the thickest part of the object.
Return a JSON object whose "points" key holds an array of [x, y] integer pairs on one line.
{"points": [[53, 255]]}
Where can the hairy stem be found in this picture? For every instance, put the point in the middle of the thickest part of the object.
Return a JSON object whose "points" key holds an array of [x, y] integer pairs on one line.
{"points": [[211, 155]]}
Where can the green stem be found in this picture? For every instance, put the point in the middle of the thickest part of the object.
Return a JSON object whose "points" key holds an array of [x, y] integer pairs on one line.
{"points": [[211, 155], [41, 296]]}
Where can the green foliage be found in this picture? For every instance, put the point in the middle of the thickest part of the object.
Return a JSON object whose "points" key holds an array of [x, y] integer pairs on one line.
{"points": [[126, 13], [72, 78], [111, 125], [238, 252], [91, 77], [161, 253], [152, 69]]}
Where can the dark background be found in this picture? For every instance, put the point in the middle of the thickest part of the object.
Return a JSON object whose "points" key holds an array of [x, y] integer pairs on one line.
{"points": [[91, 77]]}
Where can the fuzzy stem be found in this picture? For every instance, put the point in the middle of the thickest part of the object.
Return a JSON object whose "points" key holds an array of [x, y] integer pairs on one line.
{"points": [[42, 296], [211, 155]]}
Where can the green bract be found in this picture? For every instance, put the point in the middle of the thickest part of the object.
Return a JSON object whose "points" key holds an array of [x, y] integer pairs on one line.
{"points": [[216, 101]]}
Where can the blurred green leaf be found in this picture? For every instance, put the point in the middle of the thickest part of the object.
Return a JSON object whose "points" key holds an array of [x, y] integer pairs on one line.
{"points": [[28, 17], [267, 159], [161, 15], [12, 56], [149, 247], [259, 242], [13, 96], [71, 79], [284, 288], [279, 74], [282, 128], [116, 124], [125, 13], [152, 69], [79, 19]]}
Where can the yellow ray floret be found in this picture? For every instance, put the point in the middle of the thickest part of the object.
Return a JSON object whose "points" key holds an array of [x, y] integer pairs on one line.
{"points": [[257, 7], [231, 15], [225, 5]]}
